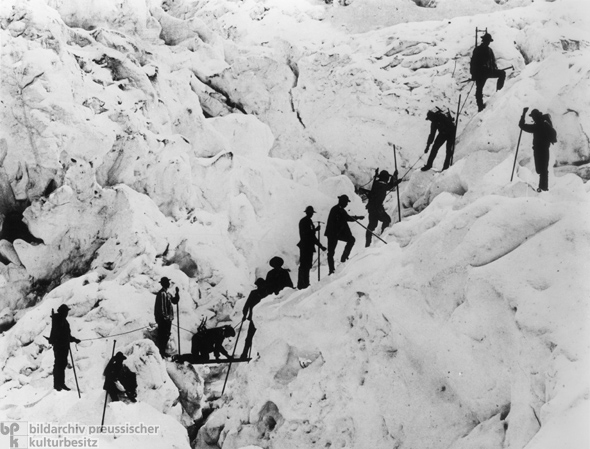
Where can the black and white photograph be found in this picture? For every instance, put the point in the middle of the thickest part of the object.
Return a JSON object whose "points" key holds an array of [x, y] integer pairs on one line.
{"points": [[295, 224]]}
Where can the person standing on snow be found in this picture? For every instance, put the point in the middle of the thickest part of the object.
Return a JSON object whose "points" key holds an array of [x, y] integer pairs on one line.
{"points": [[543, 136], [164, 314], [337, 229], [307, 243], [60, 338], [382, 183], [444, 125], [278, 278], [483, 66]]}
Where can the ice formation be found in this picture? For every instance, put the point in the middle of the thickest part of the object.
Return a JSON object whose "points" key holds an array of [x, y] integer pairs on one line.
{"points": [[184, 138]]}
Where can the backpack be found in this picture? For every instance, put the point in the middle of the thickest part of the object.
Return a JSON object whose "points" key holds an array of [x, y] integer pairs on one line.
{"points": [[551, 133], [444, 118]]}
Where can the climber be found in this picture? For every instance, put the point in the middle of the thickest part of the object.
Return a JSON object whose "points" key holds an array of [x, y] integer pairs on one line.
{"points": [[337, 229], [254, 298], [543, 136], [483, 66], [207, 341], [382, 183], [164, 314], [444, 124], [248, 342], [307, 243], [60, 338], [117, 372], [278, 278]]}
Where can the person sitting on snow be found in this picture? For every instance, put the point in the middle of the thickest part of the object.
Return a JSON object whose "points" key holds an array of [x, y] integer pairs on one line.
{"points": [[119, 379], [278, 278]]}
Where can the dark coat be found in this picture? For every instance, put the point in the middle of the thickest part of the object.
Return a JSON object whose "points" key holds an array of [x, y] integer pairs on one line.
{"points": [[337, 225], [482, 61], [277, 279], [441, 123], [163, 310], [542, 133], [60, 336], [379, 192], [308, 239]]}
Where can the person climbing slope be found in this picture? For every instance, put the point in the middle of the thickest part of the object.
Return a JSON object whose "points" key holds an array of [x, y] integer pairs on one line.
{"points": [[307, 243], [337, 229], [483, 66], [444, 125], [382, 184]]}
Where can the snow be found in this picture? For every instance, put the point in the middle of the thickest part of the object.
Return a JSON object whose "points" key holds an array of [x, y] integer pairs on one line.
{"points": [[185, 139]]}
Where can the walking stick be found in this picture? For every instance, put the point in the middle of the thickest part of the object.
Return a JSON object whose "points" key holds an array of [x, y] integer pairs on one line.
{"points": [[399, 210], [356, 221], [319, 226], [232, 356], [178, 324], [106, 393], [74, 368], [517, 145], [455, 133]]}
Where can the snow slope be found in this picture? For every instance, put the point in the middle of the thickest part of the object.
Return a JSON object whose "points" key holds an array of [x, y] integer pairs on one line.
{"points": [[184, 139]]}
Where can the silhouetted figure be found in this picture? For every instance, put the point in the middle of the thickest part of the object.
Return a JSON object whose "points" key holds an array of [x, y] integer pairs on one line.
{"points": [[248, 342], [543, 136], [254, 298], [117, 371], [164, 314], [337, 229], [483, 66], [208, 341], [307, 243], [444, 125], [278, 278], [60, 338], [382, 183]]}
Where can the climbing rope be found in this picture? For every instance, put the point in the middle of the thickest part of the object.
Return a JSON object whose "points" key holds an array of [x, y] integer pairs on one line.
{"points": [[116, 335]]}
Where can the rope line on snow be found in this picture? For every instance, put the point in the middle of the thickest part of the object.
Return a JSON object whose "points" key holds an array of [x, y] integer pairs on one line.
{"points": [[115, 335]]}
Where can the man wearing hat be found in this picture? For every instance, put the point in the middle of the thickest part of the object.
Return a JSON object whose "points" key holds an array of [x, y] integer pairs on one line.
{"points": [[278, 278], [254, 298], [117, 372], [382, 183], [307, 243], [337, 229], [483, 66], [60, 338], [164, 314], [444, 125], [543, 136]]}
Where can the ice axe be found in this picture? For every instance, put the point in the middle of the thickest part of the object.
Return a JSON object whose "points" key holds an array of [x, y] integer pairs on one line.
{"points": [[517, 145]]}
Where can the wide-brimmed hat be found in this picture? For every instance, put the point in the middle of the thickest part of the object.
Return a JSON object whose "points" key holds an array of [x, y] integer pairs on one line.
{"points": [[344, 197], [164, 280], [487, 37], [276, 262], [309, 209], [120, 355], [535, 113]]}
